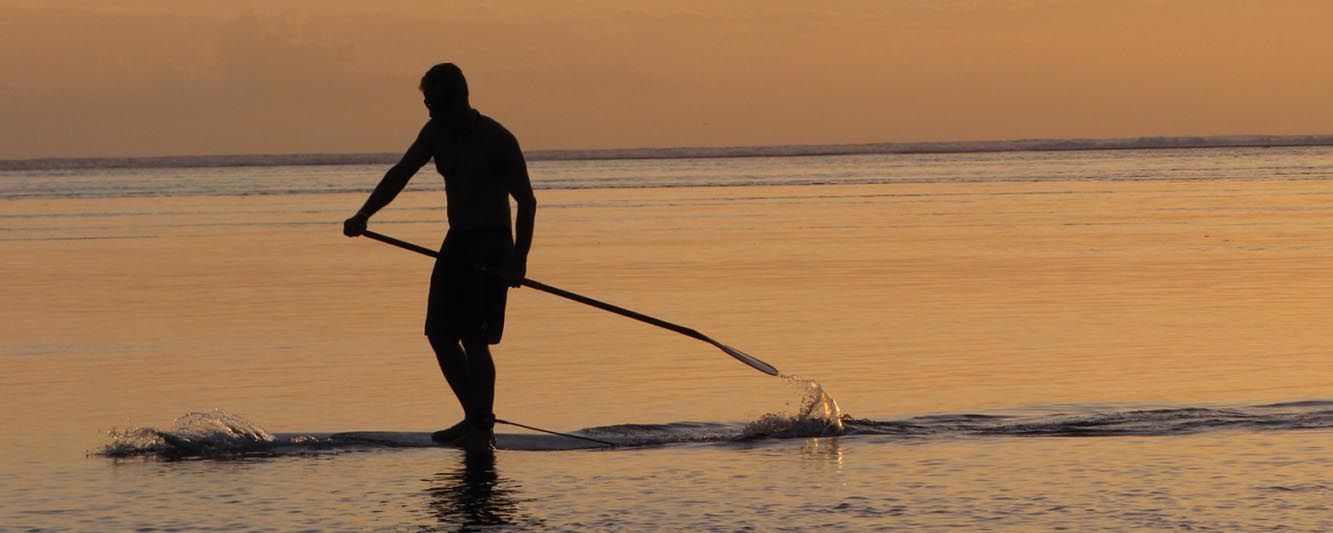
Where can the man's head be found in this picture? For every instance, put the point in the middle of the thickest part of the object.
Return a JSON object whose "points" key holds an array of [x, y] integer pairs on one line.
{"points": [[445, 89]]}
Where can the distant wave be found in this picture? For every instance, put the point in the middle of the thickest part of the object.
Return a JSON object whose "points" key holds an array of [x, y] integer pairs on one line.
{"points": [[220, 434], [1316, 414], [197, 161], [270, 160], [949, 147]]}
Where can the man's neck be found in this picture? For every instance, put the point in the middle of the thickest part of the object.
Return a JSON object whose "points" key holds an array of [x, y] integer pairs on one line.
{"points": [[456, 118]]}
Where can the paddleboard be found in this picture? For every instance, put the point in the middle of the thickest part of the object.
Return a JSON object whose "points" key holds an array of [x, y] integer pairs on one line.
{"points": [[413, 439]]}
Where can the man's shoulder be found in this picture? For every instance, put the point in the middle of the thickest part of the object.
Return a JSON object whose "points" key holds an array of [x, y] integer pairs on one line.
{"points": [[494, 129]]}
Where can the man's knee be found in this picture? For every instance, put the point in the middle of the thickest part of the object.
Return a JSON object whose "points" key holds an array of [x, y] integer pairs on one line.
{"points": [[477, 345], [443, 342]]}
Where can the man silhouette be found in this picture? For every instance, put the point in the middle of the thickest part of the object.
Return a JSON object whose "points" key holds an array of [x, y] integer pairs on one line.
{"points": [[480, 259]]}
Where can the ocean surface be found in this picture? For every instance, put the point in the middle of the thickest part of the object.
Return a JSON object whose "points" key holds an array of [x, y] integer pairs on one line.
{"points": [[969, 340]]}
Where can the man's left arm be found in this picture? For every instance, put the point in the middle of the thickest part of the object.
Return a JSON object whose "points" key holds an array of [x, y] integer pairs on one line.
{"points": [[520, 188]]}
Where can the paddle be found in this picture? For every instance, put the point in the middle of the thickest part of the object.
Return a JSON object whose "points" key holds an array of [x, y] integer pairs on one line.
{"points": [[739, 355]]}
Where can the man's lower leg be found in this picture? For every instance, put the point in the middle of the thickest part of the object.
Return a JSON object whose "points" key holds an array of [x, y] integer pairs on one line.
{"points": [[481, 382], [453, 364], [481, 395]]}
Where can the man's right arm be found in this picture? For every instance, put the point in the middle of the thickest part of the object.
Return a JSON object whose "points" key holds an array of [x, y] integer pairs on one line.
{"points": [[394, 180], [520, 188]]}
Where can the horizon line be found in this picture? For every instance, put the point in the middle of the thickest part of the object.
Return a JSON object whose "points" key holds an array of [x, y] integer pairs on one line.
{"points": [[702, 152]]}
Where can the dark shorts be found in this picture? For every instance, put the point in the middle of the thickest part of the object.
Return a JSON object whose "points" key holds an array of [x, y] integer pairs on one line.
{"points": [[467, 301]]}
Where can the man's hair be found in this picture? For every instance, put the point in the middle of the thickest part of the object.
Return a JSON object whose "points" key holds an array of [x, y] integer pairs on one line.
{"points": [[444, 83]]}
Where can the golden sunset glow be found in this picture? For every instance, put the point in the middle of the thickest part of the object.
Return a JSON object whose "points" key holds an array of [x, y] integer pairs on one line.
{"points": [[123, 77], [438, 265]]}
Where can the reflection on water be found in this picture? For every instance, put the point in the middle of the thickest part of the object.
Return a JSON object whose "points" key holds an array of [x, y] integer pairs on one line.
{"points": [[1180, 294], [823, 451], [474, 495]]}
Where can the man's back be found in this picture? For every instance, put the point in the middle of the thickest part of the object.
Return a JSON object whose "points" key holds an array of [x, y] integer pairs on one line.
{"points": [[482, 166]]}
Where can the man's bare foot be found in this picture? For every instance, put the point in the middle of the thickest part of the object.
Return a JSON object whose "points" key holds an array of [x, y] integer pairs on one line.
{"points": [[450, 434], [476, 439]]}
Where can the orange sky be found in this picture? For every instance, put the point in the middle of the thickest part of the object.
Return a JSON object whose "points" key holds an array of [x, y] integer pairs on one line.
{"points": [[122, 77]]}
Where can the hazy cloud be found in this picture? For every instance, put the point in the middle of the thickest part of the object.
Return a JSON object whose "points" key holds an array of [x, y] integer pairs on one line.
{"points": [[127, 77]]}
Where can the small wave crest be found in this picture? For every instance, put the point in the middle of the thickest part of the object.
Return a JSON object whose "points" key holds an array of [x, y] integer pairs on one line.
{"points": [[209, 433], [817, 415], [1109, 423]]}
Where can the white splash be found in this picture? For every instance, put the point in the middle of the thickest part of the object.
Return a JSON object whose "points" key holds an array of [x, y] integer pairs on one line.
{"points": [[210, 432], [817, 416]]}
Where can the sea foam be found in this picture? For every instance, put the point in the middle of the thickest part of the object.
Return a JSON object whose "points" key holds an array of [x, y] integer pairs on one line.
{"points": [[817, 415]]}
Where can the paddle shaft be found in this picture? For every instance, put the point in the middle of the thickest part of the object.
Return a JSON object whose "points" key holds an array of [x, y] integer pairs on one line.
{"points": [[688, 332]]}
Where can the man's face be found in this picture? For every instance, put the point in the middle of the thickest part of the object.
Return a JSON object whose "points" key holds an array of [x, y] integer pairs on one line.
{"points": [[451, 111]]}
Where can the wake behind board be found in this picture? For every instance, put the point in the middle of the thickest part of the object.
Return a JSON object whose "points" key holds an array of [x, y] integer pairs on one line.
{"points": [[414, 439]]}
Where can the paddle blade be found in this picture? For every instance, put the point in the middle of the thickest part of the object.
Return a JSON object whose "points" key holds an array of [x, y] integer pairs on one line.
{"points": [[753, 362]]}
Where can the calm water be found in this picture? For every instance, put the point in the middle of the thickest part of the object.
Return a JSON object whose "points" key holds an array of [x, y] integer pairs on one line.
{"points": [[1077, 340]]}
